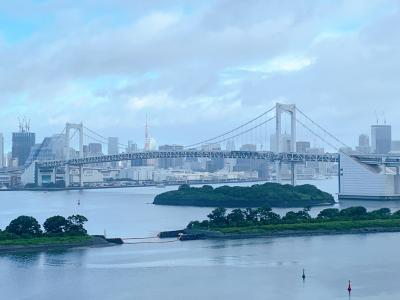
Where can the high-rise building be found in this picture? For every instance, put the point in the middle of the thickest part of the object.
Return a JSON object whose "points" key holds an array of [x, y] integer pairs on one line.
{"points": [[381, 139], [95, 149], [22, 142], [230, 145], [285, 143], [302, 147], [113, 146], [363, 140], [166, 163], [52, 148], [2, 151], [132, 147], [363, 144]]}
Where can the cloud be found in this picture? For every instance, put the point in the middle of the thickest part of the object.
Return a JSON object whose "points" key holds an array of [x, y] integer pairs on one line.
{"points": [[194, 67]]}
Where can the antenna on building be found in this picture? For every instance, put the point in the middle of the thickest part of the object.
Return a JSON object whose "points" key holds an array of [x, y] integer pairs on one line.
{"points": [[377, 117], [384, 117], [146, 136]]}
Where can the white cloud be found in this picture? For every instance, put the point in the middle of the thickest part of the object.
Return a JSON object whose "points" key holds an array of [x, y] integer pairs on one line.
{"points": [[216, 64]]}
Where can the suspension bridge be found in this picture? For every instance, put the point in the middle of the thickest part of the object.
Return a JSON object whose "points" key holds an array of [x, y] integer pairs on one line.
{"points": [[255, 131]]}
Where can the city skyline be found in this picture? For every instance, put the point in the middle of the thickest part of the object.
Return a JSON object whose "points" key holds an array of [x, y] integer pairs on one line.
{"points": [[236, 69]]}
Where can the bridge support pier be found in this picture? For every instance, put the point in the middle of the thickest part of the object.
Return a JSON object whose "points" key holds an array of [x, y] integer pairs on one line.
{"points": [[293, 173], [81, 175], [279, 172], [67, 176]]}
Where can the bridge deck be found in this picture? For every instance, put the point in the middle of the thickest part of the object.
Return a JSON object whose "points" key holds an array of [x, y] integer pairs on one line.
{"points": [[285, 157]]}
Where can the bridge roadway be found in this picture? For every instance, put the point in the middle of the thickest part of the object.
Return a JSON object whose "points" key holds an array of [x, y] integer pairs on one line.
{"points": [[284, 157]]}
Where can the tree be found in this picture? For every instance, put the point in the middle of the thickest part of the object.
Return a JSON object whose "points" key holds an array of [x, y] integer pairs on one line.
{"points": [[56, 224], [251, 215], [354, 212], [217, 217], [328, 214], [294, 217], [380, 213], [236, 217], [266, 216], [24, 225], [207, 188], [75, 224], [184, 187]]}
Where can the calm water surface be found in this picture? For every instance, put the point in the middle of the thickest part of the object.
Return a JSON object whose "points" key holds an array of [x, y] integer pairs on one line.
{"points": [[240, 269]]}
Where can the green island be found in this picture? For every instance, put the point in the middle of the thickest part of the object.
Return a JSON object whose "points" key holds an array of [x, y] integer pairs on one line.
{"points": [[258, 195], [260, 222], [25, 234]]}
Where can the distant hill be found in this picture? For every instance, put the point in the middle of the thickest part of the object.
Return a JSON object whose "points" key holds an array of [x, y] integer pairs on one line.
{"points": [[258, 195]]}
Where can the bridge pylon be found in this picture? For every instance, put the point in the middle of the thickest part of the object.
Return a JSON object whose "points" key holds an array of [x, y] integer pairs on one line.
{"points": [[280, 109]]}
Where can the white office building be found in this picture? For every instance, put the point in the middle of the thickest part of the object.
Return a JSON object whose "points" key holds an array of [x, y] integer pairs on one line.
{"points": [[358, 180]]}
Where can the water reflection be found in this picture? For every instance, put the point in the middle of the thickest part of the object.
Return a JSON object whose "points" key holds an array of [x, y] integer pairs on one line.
{"points": [[22, 260]]}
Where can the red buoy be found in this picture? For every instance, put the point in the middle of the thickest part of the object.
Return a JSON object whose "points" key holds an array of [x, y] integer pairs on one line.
{"points": [[349, 287]]}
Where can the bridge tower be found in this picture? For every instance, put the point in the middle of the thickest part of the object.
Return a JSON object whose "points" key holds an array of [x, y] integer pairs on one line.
{"points": [[280, 109], [79, 128]]}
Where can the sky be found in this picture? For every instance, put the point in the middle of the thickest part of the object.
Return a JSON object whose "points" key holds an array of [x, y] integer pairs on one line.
{"points": [[197, 68]]}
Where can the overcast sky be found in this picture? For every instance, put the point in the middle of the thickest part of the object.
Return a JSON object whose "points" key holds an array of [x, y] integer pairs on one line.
{"points": [[197, 68]]}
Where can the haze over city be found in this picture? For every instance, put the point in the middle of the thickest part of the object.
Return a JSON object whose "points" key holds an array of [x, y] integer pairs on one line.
{"points": [[216, 149], [215, 63]]}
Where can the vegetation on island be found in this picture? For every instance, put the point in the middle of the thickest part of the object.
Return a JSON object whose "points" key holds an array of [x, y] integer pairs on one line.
{"points": [[264, 220], [258, 195], [26, 230]]}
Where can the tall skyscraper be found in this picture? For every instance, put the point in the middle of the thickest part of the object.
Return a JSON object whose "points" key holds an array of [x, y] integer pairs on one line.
{"points": [[381, 139], [113, 146], [2, 151], [22, 142]]}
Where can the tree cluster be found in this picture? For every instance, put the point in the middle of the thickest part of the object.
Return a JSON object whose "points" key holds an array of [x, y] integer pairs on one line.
{"points": [[219, 217], [259, 195], [27, 227]]}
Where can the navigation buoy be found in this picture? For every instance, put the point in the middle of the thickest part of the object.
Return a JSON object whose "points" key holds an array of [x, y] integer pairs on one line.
{"points": [[79, 201], [349, 287], [304, 275]]}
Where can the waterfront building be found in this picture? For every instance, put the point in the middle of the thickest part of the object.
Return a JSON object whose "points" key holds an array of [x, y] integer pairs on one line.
{"points": [[142, 173], [381, 139], [361, 181]]}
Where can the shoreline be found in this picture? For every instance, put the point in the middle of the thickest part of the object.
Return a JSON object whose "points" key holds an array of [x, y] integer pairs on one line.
{"points": [[214, 235], [77, 188], [95, 241]]}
